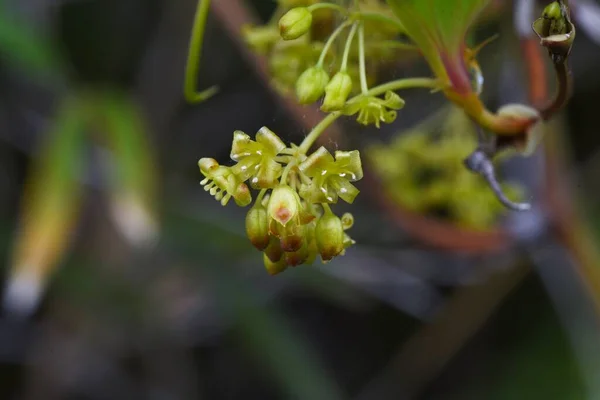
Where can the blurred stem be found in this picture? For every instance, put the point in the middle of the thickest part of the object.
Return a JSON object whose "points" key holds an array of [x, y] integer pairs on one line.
{"points": [[426, 353], [194, 53], [399, 84]]}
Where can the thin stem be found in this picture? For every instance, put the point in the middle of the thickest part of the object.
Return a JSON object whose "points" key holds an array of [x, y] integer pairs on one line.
{"points": [[286, 172], [347, 48], [260, 196], [371, 16], [330, 6], [194, 53], [330, 42], [361, 55], [393, 85], [326, 207]]}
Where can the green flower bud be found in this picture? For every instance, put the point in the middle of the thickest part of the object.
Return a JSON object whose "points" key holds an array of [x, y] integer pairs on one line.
{"points": [[260, 38], [337, 92], [284, 205], [310, 86], [273, 268], [556, 31], [257, 226], [329, 234], [292, 237], [295, 23], [273, 250]]}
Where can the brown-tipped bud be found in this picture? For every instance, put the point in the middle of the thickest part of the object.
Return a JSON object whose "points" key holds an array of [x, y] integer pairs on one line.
{"points": [[310, 86], [257, 226], [329, 234], [295, 23], [273, 250], [273, 268], [292, 237], [284, 205], [337, 92], [298, 257]]}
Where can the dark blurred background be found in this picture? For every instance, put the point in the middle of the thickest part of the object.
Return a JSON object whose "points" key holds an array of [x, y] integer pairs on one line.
{"points": [[195, 315]]}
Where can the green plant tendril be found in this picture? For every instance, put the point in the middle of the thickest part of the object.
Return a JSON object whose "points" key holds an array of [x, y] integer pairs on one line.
{"points": [[194, 52]]}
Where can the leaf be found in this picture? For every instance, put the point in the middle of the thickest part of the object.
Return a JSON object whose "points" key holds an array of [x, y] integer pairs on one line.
{"points": [[50, 208], [437, 26], [132, 173]]}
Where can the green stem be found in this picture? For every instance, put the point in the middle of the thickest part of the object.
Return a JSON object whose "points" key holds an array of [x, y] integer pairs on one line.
{"points": [[194, 52], [286, 172], [376, 17], [330, 42], [399, 84], [347, 48], [330, 6], [361, 55], [260, 196]]}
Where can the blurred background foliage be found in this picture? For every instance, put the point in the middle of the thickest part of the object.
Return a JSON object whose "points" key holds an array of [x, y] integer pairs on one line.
{"points": [[124, 280]]}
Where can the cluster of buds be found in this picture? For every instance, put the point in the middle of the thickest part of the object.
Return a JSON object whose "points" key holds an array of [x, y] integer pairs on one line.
{"points": [[291, 220], [303, 59]]}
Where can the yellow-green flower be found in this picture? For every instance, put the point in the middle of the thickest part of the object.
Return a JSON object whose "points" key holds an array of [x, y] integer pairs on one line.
{"points": [[256, 159], [331, 177], [374, 110], [223, 184]]}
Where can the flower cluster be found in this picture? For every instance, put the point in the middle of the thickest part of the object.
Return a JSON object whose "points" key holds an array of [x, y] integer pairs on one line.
{"points": [[423, 173], [291, 220], [303, 58]]}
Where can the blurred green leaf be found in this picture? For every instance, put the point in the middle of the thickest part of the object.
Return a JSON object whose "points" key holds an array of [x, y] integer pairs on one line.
{"points": [[21, 44]]}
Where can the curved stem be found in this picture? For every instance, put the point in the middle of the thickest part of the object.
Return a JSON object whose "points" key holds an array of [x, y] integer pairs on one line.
{"points": [[564, 91], [394, 85], [330, 41], [361, 56], [344, 65], [330, 6], [194, 53], [376, 17]]}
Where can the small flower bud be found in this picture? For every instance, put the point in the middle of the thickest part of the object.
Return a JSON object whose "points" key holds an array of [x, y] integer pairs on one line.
{"points": [[292, 237], [273, 268], [295, 23], [284, 204], [297, 257], [337, 92], [329, 234], [273, 250], [310, 86], [257, 226]]}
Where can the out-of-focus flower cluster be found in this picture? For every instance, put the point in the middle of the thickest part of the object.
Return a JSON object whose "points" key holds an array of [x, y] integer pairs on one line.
{"points": [[291, 220], [422, 171]]}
